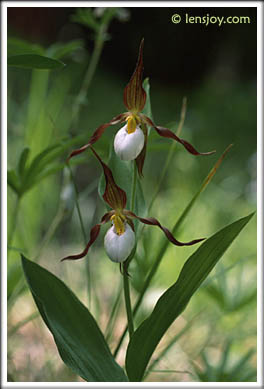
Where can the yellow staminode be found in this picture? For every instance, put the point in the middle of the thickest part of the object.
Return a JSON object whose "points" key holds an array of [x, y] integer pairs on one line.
{"points": [[119, 223], [131, 124]]}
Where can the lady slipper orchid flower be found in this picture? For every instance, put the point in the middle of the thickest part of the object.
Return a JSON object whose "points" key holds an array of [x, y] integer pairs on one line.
{"points": [[131, 140], [120, 238]]}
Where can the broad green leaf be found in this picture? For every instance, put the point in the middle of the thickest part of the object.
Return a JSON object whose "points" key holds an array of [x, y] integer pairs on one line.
{"points": [[175, 299], [13, 181], [23, 160], [39, 162], [60, 50], [34, 61], [79, 340], [17, 46]]}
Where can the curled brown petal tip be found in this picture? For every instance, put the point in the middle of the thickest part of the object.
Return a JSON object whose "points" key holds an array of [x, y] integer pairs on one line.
{"points": [[93, 236], [113, 195], [134, 94], [154, 222], [166, 133], [77, 151], [97, 134]]}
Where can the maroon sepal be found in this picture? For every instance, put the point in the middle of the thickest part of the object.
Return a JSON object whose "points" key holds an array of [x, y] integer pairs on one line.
{"points": [[98, 133], [93, 236], [113, 195], [166, 133], [134, 94], [154, 222]]}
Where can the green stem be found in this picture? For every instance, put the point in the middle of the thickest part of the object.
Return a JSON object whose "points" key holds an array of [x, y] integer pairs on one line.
{"points": [[130, 324], [128, 302], [87, 262], [170, 154], [98, 46], [115, 308], [14, 222], [22, 323], [133, 188]]}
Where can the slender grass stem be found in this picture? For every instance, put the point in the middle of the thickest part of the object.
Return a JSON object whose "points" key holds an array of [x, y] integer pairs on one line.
{"points": [[87, 262], [112, 316], [23, 322], [170, 154], [133, 188], [128, 303], [125, 266], [98, 47], [14, 222]]}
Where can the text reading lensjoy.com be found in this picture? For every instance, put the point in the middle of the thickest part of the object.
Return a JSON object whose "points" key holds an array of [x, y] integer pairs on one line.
{"points": [[209, 19]]}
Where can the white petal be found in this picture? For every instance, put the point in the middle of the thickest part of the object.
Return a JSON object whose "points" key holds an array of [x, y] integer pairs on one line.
{"points": [[128, 146], [118, 247]]}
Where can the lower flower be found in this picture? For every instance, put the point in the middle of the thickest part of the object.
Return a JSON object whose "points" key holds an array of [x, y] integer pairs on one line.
{"points": [[120, 238], [119, 246]]}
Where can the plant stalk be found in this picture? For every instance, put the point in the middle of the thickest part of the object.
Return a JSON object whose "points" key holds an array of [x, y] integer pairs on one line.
{"points": [[87, 262], [14, 223], [98, 47], [128, 303]]}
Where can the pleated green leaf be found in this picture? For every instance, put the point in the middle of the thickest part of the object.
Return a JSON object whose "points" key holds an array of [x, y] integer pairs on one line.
{"points": [[172, 303], [78, 338], [34, 61]]}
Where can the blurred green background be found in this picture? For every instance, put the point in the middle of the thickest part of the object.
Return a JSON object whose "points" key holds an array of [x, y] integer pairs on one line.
{"points": [[215, 68]]}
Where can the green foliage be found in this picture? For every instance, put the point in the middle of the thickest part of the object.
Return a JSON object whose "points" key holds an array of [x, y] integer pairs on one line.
{"points": [[34, 61], [79, 340], [175, 299], [241, 371]]}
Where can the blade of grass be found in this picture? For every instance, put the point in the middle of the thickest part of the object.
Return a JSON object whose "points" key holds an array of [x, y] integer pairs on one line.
{"points": [[23, 322], [170, 154], [87, 262]]}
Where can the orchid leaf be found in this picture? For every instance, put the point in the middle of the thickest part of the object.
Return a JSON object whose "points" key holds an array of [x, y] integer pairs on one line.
{"points": [[79, 340], [173, 302], [34, 61]]}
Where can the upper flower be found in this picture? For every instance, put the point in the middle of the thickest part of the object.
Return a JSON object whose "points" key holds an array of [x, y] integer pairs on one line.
{"points": [[120, 238], [131, 141]]}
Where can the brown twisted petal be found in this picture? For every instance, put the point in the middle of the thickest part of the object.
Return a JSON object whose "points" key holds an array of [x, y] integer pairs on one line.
{"points": [[134, 94], [93, 236], [113, 195], [166, 133], [98, 133], [154, 222]]}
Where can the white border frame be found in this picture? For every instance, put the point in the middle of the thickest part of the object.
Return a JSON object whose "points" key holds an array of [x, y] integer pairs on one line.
{"points": [[138, 4]]}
